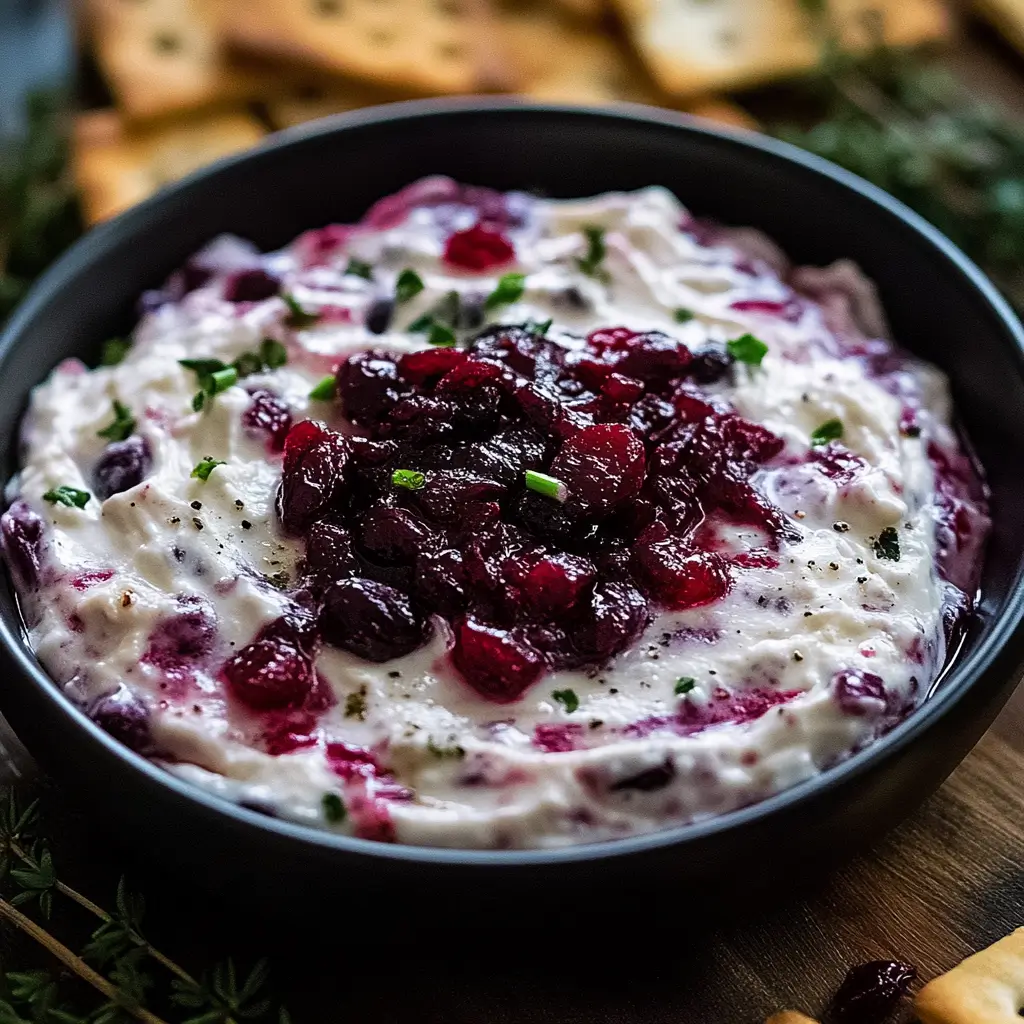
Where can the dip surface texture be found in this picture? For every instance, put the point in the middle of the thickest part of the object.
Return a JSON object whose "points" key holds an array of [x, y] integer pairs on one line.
{"points": [[498, 522]]}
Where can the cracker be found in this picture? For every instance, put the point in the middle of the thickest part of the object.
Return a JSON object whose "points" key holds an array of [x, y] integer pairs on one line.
{"points": [[428, 46], [692, 46], [164, 56], [789, 1017], [310, 100], [117, 165], [1006, 16], [554, 61], [987, 988], [722, 111]]}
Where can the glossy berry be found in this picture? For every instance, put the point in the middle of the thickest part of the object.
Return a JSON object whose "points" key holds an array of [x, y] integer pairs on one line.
{"points": [[22, 533], [269, 673], [680, 578], [126, 719], [870, 992], [252, 285], [122, 465], [370, 619], [268, 417], [601, 466], [314, 461], [478, 249], [498, 665]]}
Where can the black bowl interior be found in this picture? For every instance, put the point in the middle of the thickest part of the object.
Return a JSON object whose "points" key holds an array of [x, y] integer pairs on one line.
{"points": [[939, 305]]}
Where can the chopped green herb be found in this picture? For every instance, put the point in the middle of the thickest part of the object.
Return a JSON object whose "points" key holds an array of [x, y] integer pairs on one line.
{"points": [[297, 316], [202, 367], [747, 349], [214, 377], [591, 263], [887, 545], [123, 425], [114, 351], [830, 430], [441, 336], [510, 288], [546, 485], [568, 699], [421, 324], [357, 268], [70, 496], [355, 705], [272, 353], [454, 751], [683, 316], [447, 309], [408, 285], [684, 684], [325, 390], [223, 379], [334, 808], [247, 364], [538, 327], [198, 401], [410, 479], [203, 469]]}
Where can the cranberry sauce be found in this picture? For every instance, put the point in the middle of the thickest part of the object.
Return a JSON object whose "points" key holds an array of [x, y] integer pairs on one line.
{"points": [[543, 499]]}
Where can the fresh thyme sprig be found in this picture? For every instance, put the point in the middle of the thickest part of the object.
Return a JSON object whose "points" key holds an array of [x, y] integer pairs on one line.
{"points": [[117, 961]]}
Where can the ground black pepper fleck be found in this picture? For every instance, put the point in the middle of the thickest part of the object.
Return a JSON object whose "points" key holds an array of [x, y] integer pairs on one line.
{"points": [[197, 505], [197, 522], [246, 525]]}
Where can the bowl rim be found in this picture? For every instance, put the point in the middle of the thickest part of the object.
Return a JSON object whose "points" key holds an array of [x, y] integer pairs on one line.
{"points": [[964, 674]]}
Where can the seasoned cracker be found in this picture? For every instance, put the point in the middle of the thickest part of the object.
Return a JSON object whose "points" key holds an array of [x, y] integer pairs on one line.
{"points": [[311, 100], [117, 165], [692, 46], [429, 46], [789, 1017], [164, 56], [552, 60], [987, 988]]}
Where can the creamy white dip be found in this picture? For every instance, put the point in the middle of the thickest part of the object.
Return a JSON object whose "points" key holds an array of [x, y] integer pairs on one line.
{"points": [[457, 769]]}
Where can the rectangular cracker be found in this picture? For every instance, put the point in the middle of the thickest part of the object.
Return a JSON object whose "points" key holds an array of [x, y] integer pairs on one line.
{"points": [[692, 46], [164, 56], [557, 62], [987, 988], [310, 100], [116, 164], [427, 46]]}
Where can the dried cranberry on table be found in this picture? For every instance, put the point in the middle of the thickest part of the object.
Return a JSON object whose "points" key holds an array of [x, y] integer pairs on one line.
{"points": [[543, 499], [870, 992]]}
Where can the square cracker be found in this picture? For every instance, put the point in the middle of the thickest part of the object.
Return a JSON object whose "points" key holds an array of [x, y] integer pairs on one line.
{"points": [[310, 100], [551, 60], [692, 46], [428, 46], [117, 165], [164, 56], [987, 988]]}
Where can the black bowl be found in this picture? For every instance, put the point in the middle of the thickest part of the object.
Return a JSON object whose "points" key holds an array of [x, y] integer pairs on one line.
{"points": [[940, 306]]}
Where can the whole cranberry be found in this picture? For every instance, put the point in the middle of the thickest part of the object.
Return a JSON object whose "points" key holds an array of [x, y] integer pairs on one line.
{"points": [[680, 578], [252, 285], [498, 665], [123, 464], [478, 249], [126, 719], [601, 466], [371, 619], [314, 461], [22, 533]]}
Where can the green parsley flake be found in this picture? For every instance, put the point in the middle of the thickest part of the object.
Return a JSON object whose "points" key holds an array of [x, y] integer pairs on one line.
{"points": [[297, 316], [568, 699], [887, 545], [454, 751], [214, 377], [538, 327], [546, 485], [684, 684], [830, 430], [114, 351], [410, 479], [682, 316], [70, 496], [591, 263], [408, 285], [441, 336], [325, 390], [510, 289], [273, 354], [334, 808], [747, 349], [123, 425], [202, 470], [357, 268]]}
